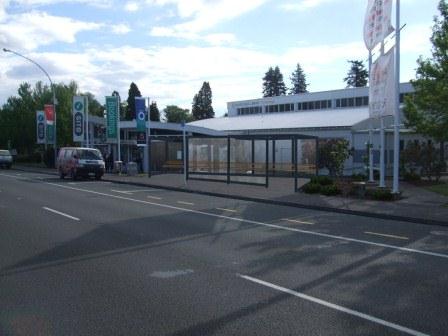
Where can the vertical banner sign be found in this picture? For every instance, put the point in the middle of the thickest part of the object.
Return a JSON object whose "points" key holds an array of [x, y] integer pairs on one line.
{"points": [[140, 116], [40, 127], [382, 86], [79, 107], [112, 119], [377, 23], [49, 116]]}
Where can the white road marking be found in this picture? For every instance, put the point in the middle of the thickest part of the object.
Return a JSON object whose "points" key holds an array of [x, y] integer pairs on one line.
{"points": [[129, 192], [228, 210], [335, 306], [297, 221], [121, 192], [386, 235], [154, 197], [60, 213], [186, 203], [242, 220]]}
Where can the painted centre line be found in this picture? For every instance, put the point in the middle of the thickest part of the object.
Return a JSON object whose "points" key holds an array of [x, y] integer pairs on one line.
{"points": [[186, 203], [60, 213], [386, 235], [228, 210], [334, 306], [154, 197], [297, 221]]}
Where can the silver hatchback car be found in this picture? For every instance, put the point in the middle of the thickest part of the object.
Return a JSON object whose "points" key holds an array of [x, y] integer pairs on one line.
{"points": [[5, 158]]}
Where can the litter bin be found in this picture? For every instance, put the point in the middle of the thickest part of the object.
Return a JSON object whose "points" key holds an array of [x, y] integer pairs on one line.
{"points": [[132, 168], [118, 166]]}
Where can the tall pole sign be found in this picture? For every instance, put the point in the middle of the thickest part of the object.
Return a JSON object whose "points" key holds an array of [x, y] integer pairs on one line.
{"points": [[79, 108], [382, 79], [40, 127], [49, 117], [396, 187], [141, 117], [112, 119]]}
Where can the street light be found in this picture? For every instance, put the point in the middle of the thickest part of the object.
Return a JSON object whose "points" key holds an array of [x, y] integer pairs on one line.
{"points": [[52, 90]]}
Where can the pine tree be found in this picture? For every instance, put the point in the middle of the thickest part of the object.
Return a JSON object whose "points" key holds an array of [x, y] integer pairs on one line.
{"points": [[357, 76], [298, 81], [427, 111], [202, 103], [268, 86], [154, 114], [273, 84], [130, 109]]}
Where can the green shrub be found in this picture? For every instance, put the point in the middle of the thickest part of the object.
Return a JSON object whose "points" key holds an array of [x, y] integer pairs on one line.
{"points": [[330, 190], [311, 188], [359, 177], [322, 180], [411, 176], [382, 195]]}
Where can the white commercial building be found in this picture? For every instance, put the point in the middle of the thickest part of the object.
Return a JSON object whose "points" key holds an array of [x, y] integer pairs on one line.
{"points": [[327, 114]]}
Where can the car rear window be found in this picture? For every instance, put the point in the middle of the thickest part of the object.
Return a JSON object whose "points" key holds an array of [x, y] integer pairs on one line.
{"points": [[86, 154], [4, 152]]}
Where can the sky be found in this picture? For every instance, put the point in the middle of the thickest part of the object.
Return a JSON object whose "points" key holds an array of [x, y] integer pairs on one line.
{"points": [[170, 47]]}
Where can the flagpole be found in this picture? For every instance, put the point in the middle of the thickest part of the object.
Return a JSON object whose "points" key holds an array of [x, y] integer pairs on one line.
{"points": [[382, 141], [371, 178], [395, 188]]}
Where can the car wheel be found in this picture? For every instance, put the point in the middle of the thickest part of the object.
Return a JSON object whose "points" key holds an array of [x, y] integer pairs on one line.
{"points": [[8, 166], [97, 177], [61, 174]]}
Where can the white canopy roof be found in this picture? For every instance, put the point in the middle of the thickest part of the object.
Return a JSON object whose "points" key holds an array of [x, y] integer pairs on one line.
{"points": [[329, 118]]}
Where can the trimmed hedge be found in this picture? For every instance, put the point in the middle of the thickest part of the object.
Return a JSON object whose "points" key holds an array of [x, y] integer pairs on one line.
{"points": [[330, 190], [381, 195], [321, 180], [311, 188]]}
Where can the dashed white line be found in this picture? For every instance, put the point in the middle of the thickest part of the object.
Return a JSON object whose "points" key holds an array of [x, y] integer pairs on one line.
{"points": [[386, 235], [154, 197], [297, 221], [335, 306], [60, 213], [227, 210], [185, 203]]}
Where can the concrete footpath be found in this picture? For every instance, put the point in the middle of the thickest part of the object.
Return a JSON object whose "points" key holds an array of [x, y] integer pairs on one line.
{"points": [[418, 205]]}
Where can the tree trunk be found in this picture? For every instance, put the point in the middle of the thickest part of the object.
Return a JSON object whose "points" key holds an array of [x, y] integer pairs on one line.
{"points": [[442, 151]]}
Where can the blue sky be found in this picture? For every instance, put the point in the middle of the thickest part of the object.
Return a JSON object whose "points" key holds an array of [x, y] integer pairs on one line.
{"points": [[169, 47]]}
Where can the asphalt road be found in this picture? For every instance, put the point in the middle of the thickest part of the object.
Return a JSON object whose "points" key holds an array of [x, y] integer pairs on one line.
{"points": [[97, 258]]}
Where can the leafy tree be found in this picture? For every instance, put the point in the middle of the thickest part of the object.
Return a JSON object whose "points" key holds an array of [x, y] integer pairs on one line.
{"points": [[202, 103], [175, 114], [18, 115], [273, 84], [154, 114], [426, 111], [130, 109], [298, 81], [357, 76], [332, 155], [95, 108]]}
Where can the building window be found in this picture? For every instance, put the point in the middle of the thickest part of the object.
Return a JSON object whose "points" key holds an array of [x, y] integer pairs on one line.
{"points": [[344, 102], [299, 106], [338, 103], [358, 101], [365, 101], [351, 102]]}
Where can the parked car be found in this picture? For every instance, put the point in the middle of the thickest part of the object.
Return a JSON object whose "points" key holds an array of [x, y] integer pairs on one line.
{"points": [[5, 158], [80, 162]]}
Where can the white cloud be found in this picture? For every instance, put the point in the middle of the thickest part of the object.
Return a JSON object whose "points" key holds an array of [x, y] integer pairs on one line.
{"points": [[33, 29], [131, 6], [120, 29], [203, 15], [37, 3], [302, 5]]}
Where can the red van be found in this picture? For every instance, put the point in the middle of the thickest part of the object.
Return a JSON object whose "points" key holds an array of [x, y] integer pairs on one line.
{"points": [[80, 162]]}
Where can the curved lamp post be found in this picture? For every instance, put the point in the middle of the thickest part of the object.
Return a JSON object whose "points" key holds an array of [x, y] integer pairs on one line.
{"points": [[52, 90]]}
